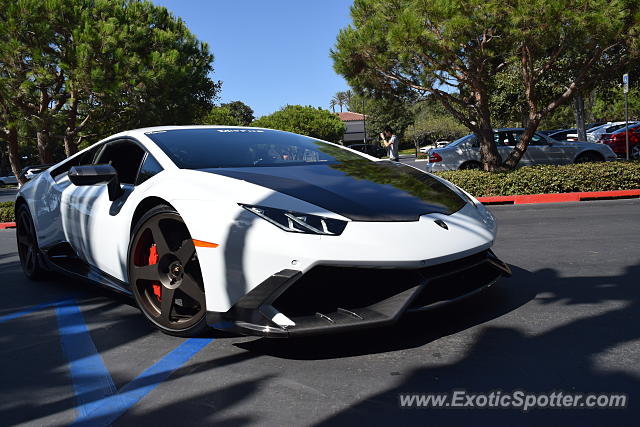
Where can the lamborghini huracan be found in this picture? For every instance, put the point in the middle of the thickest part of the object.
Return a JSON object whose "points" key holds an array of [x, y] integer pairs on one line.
{"points": [[255, 231]]}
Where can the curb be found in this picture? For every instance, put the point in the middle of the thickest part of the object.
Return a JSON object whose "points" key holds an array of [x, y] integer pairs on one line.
{"points": [[4, 225], [559, 197]]}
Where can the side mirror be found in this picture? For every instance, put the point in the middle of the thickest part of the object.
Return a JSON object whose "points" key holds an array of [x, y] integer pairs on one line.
{"points": [[97, 174]]}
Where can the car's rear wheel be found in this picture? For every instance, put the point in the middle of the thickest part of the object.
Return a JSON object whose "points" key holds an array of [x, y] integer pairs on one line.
{"points": [[635, 152], [589, 157], [164, 274], [27, 242], [472, 164]]}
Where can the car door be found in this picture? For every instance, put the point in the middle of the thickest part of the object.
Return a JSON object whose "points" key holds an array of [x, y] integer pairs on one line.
{"points": [[543, 151], [49, 198], [504, 143], [92, 219]]}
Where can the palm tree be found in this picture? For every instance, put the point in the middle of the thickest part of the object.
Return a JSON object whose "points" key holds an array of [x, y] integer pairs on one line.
{"points": [[339, 98], [347, 95], [333, 104]]}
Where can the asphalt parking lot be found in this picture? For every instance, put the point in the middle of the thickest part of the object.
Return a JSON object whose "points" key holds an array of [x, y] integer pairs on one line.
{"points": [[568, 319], [8, 194]]}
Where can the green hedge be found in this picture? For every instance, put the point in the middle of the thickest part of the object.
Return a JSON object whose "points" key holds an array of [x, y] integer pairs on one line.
{"points": [[600, 176], [6, 212]]}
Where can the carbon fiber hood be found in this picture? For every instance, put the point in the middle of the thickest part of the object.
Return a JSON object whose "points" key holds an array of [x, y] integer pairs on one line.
{"points": [[360, 190]]}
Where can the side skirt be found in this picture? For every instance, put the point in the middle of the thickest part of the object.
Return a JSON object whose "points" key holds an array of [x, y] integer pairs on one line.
{"points": [[62, 259]]}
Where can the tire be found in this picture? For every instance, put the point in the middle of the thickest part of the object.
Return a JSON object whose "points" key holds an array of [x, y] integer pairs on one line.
{"points": [[589, 157], [471, 165], [164, 274], [27, 242], [635, 152]]}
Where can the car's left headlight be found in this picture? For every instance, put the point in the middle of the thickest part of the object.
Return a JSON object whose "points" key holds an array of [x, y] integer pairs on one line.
{"points": [[296, 222]]}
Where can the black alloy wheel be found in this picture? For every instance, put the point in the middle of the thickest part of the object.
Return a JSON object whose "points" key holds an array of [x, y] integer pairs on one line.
{"points": [[164, 274], [27, 242]]}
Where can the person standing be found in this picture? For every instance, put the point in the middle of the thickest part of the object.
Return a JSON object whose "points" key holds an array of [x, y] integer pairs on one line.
{"points": [[390, 141]]}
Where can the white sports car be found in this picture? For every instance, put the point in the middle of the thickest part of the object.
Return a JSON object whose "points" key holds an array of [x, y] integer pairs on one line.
{"points": [[256, 231]]}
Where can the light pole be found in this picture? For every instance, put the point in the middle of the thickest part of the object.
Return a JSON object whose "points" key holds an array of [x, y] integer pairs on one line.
{"points": [[364, 122], [625, 83]]}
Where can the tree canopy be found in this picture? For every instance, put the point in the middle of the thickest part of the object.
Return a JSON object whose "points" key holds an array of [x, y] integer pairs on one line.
{"points": [[219, 116], [74, 69], [454, 49], [310, 121], [240, 111]]}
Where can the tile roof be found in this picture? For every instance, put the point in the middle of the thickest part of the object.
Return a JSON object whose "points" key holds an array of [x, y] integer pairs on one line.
{"points": [[348, 116]]}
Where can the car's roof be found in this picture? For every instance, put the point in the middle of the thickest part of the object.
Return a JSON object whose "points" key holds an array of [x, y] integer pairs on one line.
{"points": [[177, 127]]}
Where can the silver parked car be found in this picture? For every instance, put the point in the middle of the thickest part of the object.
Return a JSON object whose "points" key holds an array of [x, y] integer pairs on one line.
{"points": [[464, 153]]}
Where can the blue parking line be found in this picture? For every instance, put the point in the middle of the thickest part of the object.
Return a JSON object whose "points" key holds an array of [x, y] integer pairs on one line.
{"points": [[90, 377], [98, 401], [33, 309], [111, 408]]}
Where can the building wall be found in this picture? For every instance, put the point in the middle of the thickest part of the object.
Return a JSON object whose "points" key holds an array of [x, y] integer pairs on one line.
{"points": [[354, 132]]}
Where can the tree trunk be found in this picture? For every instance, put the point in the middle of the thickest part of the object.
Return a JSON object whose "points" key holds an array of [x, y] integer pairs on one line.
{"points": [[44, 146], [14, 158], [521, 146], [489, 154], [579, 112]]}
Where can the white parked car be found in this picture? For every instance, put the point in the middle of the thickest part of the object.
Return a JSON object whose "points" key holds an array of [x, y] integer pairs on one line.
{"points": [[257, 231], [594, 134], [465, 152]]}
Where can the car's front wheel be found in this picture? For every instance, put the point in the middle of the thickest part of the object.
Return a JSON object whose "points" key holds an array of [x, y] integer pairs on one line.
{"points": [[164, 274]]}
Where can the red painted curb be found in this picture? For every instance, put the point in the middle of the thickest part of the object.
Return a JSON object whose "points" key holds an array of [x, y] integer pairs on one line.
{"points": [[4, 225], [559, 197]]}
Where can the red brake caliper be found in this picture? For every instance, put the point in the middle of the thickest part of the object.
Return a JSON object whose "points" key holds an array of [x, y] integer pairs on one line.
{"points": [[153, 259]]}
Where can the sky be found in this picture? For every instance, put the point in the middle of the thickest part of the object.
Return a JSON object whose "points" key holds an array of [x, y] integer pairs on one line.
{"points": [[269, 53]]}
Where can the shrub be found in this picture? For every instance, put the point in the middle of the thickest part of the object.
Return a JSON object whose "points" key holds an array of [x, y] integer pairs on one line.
{"points": [[6, 212], [599, 176]]}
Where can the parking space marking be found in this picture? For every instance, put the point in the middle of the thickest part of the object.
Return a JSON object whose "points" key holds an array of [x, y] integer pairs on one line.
{"points": [[111, 408], [99, 402], [90, 377]]}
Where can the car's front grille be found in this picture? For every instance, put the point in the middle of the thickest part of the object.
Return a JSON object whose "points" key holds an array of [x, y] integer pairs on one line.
{"points": [[451, 286], [324, 289]]}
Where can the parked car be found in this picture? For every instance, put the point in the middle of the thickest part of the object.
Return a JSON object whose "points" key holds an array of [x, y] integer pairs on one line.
{"points": [[438, 144], [30, 171], [590, 128], [255, 231], [594, 134], [549, 132], [617, 141], [563, 135], [465, 152], [370, 149], [8, 180]]}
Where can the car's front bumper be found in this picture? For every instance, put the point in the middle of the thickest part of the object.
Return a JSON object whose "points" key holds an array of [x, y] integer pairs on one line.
{"points": [[330, 299]]}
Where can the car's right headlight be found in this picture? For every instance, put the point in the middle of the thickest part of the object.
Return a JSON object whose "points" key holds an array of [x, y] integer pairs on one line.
{"points": [[296, 222]]}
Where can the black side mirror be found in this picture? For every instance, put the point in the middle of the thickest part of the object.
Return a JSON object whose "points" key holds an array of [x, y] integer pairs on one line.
{"points": [[97, 174]]}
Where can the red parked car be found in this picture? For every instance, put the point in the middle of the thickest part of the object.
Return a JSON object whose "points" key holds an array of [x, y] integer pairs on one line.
{"points": [[617, 141]]}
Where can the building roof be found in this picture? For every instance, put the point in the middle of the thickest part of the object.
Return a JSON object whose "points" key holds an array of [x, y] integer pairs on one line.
{"points": [[348, 116]]}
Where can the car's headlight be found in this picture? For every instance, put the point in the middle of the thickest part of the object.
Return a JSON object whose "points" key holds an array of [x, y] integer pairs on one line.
{"points": [[297, 222]]}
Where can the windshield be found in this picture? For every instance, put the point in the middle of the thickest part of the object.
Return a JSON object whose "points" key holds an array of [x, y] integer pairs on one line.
{"points": [[236, 148]]}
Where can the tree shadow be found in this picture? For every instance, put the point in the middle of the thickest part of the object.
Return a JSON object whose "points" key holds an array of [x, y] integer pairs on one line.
{"points": [[563, 358]]}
